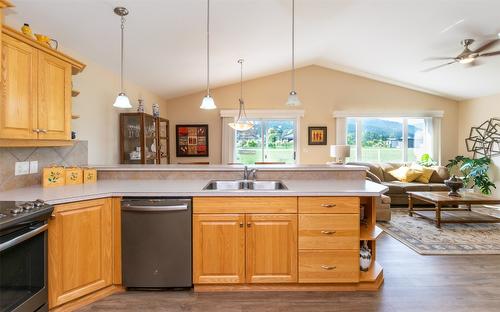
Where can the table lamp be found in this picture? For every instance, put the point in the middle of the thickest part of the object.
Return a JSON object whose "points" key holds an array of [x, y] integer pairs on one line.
{"points": [[340, 152]]}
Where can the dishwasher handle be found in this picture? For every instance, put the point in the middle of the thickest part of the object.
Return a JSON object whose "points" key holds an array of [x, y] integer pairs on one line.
{"points": [[153, 208]]}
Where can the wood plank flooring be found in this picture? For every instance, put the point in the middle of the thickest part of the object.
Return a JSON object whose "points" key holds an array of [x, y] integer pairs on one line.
{"points": [[412, 283]]}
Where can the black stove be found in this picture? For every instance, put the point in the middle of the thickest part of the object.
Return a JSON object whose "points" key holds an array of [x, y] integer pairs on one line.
{"points": [[17, 214], [23, 256]]}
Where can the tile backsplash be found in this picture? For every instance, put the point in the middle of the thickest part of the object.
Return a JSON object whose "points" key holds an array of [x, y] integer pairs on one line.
{"points": [[75, 155]]}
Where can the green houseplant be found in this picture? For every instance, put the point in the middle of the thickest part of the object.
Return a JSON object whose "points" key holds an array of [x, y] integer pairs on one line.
{"points": [[426, 161], [474, 171]]}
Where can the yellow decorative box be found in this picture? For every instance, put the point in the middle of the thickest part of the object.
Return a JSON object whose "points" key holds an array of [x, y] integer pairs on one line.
{"points": [[89, 175], [53, 176], [74, 175]]}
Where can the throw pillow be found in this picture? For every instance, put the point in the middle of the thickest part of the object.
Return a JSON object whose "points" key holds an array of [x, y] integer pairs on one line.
{"points": [[426, 173], [405, 174]]}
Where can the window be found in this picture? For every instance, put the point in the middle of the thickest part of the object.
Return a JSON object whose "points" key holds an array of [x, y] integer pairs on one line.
{"points": [[270, 140], [394, 139]]}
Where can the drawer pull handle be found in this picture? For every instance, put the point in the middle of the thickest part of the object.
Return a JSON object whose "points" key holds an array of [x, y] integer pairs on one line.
{"points": [[328, 232], [241, 224], [328, 267], [328, 205]]}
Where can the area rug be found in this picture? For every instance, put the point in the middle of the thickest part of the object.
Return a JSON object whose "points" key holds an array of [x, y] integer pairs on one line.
{"points": [[451, 239]]}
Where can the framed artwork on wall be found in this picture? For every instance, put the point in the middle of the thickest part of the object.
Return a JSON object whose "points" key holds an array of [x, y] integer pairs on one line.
{"points": [[191, 140], [317, 136]]}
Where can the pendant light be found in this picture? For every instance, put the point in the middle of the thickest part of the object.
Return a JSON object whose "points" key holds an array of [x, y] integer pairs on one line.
{"points": [[122, 100], [293, 98], [242, 123], [208, 101]]}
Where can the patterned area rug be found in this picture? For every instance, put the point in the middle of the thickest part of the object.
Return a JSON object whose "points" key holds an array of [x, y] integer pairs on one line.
{"points": [[451, 239]]}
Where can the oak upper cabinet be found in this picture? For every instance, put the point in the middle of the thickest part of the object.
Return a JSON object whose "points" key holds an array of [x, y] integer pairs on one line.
{"points": [[54, 98], [219, 248], [271, 248], [18, 107], [79, 250], [35, 107]]}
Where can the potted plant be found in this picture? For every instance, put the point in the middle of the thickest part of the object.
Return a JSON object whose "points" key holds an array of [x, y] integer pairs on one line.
{"points": [[474, 171], [426, 161]]}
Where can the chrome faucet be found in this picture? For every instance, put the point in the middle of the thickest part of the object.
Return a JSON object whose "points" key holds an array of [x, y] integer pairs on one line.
{"points": [[247, 173]]}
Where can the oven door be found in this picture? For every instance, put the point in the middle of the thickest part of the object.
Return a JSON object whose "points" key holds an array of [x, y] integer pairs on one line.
{"points": [[23, 262]]}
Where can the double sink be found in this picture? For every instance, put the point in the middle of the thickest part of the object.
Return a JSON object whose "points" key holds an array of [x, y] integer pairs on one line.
{"points": [[242, 185]]}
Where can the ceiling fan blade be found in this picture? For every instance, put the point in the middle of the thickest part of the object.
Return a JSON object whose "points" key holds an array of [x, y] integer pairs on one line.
{"points": [[439, 58], [490, 53], [439, 66], [487, 45], [474, 63]]}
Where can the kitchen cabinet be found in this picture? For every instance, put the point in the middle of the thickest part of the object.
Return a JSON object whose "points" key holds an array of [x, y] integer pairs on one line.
{"points": [[35, 107], [219, 248], [80, 250]]}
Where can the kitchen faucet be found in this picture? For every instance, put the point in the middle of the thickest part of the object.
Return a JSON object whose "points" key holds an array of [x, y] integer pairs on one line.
{"points": [[247, 173]]}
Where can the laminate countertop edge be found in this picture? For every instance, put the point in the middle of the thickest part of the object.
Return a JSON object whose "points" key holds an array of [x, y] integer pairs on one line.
{"points": [[226, 168], [185, 188]]}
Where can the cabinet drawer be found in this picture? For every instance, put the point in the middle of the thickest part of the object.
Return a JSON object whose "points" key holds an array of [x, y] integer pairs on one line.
{"points": [[329, 231], [231, 204], [340, 266], [328, 204]]}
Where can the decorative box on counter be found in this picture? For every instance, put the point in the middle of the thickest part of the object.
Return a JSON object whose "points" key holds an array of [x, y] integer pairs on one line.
{"points": [[53, 176], [89, 175], [74, 175]]}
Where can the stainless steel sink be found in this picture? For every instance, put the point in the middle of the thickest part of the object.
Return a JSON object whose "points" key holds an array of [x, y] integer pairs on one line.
{"points": [[235, 185]]}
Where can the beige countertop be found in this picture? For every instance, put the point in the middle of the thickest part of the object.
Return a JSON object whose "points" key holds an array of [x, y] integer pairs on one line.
{"points": [[108, 188], [228, 168]]}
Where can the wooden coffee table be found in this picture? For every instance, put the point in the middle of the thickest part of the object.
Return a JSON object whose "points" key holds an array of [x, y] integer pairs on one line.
{"points": [[440, 214]]}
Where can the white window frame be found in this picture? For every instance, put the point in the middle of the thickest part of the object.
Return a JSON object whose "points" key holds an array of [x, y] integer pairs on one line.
{"points": [[229, 135], [432, 127]]}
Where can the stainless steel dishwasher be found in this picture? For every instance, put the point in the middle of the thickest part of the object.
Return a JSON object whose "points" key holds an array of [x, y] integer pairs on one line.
{"points": [[156, 242]]}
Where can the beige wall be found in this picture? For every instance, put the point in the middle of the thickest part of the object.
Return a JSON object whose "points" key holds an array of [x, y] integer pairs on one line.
{"points": [[99, 120], [473, 113], [321, 91]]}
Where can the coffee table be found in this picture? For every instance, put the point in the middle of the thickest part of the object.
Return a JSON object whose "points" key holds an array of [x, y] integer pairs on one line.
{"points": [[440, 214]]}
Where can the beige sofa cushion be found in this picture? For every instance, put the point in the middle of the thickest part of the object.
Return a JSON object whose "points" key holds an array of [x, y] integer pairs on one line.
{"points": [[396, 187], [440, 174], [438, 187], [387, 167], [373, 167]]}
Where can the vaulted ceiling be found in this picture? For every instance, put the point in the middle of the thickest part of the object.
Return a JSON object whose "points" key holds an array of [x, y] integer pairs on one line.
{"points": [[382, 39]]}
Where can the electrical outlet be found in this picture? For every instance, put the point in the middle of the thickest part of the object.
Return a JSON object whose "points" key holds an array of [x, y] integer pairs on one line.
{"points": [[34, 166], [22, 167]]}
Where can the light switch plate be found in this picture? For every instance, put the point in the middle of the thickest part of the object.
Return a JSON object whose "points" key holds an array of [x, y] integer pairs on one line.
{"points": [[22, 167], [34, 166]]}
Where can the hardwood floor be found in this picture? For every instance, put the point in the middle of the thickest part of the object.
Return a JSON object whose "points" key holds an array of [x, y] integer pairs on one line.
{"points": [[412, 283]]}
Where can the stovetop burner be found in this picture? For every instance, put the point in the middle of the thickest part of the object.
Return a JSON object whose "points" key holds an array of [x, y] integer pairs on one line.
{"points": [[16, 213]]}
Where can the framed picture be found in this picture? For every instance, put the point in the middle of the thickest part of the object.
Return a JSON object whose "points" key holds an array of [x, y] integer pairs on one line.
{"points": [[191, 140], [317, 136]]}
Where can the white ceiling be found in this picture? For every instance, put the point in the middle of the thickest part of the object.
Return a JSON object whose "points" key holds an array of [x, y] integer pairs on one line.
{"points": [[385, 39]]}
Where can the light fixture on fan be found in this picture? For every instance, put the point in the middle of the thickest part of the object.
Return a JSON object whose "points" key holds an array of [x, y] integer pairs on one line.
{"points": [[293, 98], [242, 123], [122, 100], [208, 101]]}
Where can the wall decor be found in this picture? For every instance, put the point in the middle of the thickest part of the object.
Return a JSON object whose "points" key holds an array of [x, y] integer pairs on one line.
{"points": [[485, 138], [191, 140], [317, 136]]}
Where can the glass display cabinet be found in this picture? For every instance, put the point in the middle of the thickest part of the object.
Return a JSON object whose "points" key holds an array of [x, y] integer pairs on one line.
{"points": [[143, 139]]}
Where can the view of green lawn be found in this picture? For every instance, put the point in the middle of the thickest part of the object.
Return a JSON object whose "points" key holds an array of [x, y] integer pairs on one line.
{"points": [[252, 155], [383, 154]]}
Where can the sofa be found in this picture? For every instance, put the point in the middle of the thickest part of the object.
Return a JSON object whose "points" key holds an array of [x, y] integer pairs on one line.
{"points": [[379, 173]]}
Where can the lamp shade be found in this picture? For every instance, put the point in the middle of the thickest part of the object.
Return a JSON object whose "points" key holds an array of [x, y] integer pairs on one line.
{"points": [[122, 101], [293, 99], [340, 152], [208, 103]]}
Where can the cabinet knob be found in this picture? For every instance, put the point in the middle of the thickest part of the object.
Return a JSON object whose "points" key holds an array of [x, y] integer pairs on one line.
{"points": [[328, 232], [328, 267], [241, 224], [53, 216], [328, 205], [249, 224]]}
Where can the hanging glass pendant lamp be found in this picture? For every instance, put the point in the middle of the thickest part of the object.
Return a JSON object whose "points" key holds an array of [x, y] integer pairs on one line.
{"points": [[208, 101], [242, 123], [293, 98], [122, 100]]}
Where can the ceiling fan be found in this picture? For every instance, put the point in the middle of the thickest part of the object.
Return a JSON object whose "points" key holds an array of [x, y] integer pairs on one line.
{"points": [[467, 56]]}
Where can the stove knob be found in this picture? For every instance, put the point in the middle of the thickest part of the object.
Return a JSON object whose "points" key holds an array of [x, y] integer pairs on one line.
{"points": [[16, 210], [28, 206], [38, 203]]}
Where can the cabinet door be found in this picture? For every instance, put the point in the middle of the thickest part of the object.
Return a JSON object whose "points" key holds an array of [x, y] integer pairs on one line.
{"points": [[54, 98], [271, 248], [18, 107], [79, 250], [218, 249]]}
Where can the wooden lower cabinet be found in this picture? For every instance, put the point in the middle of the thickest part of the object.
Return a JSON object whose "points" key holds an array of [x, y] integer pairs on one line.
{"points": [[271, 251], [219, 249], [80, 251], [328, 266]]}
